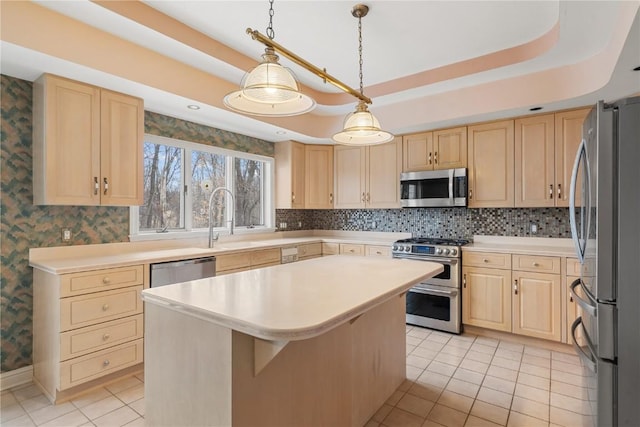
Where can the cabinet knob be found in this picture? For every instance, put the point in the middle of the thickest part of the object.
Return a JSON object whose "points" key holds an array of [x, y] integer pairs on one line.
{"points": [[330, 197], [106, 280], [535, 264], [106, 337], [435, 157], [515, 286], [464, 280], [105, 307], [551, 191], [430, 157], [105, 363], [485, 260], [106, 185], [96, 186], [559, 191]]}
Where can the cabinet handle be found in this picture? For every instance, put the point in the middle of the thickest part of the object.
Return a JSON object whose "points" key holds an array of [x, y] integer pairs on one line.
{"points": [[559, 191], [470, 193], [429, 157], [106, 280], [368, 197], [106, 337], [363, 197], [330, 197], [435, 157], [570, 298], [105, 307], [515, 286], [464, 280], [106, 185], [293, 197], [96, 186], [551, 191], [535, 264], [105, 363]]}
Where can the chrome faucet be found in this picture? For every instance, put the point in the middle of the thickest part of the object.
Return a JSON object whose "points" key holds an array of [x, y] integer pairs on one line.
{"points": [[233, 210]]}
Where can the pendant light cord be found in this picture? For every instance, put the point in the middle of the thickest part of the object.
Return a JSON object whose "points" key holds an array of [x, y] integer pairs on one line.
{"points": [[270, 33], [360, 49]]}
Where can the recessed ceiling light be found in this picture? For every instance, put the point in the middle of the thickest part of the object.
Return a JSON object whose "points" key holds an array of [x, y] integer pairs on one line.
{"points": [[637, 68], [193, 107], [535, 109], [281, 132]]}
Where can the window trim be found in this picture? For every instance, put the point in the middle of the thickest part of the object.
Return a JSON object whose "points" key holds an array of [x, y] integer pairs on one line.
{"points": [[267, 195]]}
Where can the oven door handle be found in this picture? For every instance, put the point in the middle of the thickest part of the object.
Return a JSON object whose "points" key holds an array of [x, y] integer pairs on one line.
{"points": [[433, 292], [451, 203], [421, 258]]}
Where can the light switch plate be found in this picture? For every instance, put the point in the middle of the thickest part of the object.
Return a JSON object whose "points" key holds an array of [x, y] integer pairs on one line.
{"points": [[66, 235]]}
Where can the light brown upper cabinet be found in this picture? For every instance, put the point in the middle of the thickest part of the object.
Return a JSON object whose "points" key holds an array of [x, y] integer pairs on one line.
{"points": [[568, 134], [290, 175], [491, 164], [368, 177], [318, 191], [87, 145], [440, 149]]}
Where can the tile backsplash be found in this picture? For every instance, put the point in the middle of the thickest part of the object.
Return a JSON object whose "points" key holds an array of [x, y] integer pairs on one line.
{"points": [[434, 222]]}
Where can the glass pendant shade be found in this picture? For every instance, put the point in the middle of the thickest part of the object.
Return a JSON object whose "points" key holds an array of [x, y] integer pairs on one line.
{"points": [[362, 128], [269, 90]]}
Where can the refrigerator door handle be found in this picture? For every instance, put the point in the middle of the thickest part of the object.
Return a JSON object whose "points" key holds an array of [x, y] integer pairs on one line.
{"points": [[580, 154], [588, 305], [588, 360]]}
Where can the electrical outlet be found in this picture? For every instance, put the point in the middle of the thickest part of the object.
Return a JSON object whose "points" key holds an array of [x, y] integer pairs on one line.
{"points": [[534, 228], [66, 235], [299, 224]]}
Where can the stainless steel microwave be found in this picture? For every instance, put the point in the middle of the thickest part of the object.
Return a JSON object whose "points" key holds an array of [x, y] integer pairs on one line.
{"points": [[440, 188]]}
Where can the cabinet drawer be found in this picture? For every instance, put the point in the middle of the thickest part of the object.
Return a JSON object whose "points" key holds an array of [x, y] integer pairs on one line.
{"points": [[383, 251], [233, 261], [81, 341], [330, 248], [486, 259], [574, 268], [534, 263], [100, 280], [351, 249], [265, 256], [86, 310], [309, 250], [86, 368]]}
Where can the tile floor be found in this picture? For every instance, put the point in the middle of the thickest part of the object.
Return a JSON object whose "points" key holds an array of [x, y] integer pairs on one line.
{"points": [[451, 381]]}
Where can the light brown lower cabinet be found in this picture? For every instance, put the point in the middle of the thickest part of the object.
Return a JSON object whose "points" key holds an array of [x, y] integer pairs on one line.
{"points": [[537, 305], [486, 298]]}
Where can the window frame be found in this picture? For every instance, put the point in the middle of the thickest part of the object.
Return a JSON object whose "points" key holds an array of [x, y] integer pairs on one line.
{"points": [[186, 202]]}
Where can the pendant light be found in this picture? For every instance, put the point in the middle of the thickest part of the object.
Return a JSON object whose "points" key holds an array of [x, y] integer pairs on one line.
{"points": [[361, 127], [269, 89]]}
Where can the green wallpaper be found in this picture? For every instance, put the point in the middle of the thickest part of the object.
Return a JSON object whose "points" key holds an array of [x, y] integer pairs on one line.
{"points": [[25, 226]]}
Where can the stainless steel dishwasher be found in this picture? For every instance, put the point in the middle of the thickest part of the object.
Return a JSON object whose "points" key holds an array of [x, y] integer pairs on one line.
{"points": [[167, 273]]}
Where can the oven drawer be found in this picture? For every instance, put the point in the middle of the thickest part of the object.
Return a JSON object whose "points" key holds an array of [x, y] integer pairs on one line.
{"points": [[536, 263], [486, 259]]}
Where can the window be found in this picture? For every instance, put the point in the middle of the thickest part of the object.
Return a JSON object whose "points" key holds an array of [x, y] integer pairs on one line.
{"points": [[179, 179]]}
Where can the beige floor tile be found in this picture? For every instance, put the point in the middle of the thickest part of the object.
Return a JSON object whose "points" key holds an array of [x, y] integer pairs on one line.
{"points": [[382, 413], [495, 397], [430, 423], [482, 348], [123, 384], [394, 398], [517, 419], [419, 333], [413, 373], [568, 367], [508, 354], [399, 418], [490, 412], [569, 390], [26, 392], [461, 342], [447, 416], [35, 403], [532, 393], [415, 405], [565, 377], [535, 370], [542, 362], [75, 418], [534, 381], [417, 361], [478, 357], [138, 406], [441, 368], [425, 353], [570, 404], [139, 422], [101, 407], [449, 359], [469, 376], [463, 387], [454, 350], [409, 349], [505, 363], [22, 421], [119, 417], [565, 357], [490, 342], [569, 419], [473, 421], [456, 401], [433, 378], [131, 394], [88, 424], [140, 376], [51, 412], [7, 399], [539, 352], [406, 384], [431, 345], [414, 340], [369, 423], [11, 412], [499, 384], [511, 346], [504, 373], [530, 407], [425, 391], [475, 366]]}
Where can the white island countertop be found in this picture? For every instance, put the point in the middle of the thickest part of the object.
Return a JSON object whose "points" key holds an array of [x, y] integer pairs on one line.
{"points": [[294, 301]]}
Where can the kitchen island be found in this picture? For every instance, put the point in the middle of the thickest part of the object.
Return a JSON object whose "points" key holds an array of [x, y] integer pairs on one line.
{"points": [[318, 342]]}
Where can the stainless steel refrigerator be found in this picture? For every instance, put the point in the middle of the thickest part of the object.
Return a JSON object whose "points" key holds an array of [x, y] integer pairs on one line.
{"points": [[605, 226]]}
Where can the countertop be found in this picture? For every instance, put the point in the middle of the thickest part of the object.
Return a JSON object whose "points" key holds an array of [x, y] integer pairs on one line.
{"points": [[522, 245], [294, 301]]}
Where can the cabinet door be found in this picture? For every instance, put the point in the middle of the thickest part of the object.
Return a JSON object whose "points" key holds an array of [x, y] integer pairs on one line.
{"points": [[491, 165], [318, 192], [121, 138], [290, 170], [349, 186], [417, 152], [536, 305], [534, 161], [383, 175], [450, 148], [568, 130], [486, 298], [66, 142]]}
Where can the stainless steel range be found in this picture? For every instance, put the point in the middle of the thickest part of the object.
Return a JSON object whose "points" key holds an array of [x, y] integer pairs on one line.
{"points": [[436, 302]]}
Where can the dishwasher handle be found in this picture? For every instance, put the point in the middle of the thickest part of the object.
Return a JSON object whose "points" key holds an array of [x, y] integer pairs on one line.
{"points": [[173, 264]]}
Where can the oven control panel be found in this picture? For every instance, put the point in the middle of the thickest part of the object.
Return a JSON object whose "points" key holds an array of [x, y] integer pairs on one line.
{"points": [[425, 250]]}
